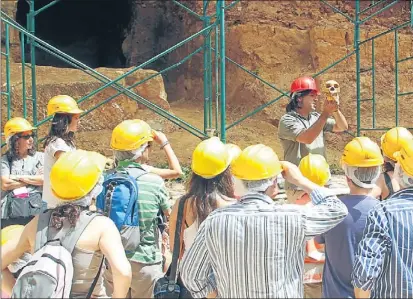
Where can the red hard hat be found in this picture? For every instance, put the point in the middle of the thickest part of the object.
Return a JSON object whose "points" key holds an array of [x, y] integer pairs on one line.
{"points": [[303, 83]]}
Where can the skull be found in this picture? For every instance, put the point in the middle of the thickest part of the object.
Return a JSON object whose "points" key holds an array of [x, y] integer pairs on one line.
{"points": [[333, 87]]}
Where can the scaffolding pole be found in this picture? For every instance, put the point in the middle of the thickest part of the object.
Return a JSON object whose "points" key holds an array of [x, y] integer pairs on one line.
{"points": [[221, 16]]}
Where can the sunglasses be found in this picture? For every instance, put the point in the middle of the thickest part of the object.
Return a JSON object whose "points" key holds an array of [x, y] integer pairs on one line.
{"points": [[27, 137]]}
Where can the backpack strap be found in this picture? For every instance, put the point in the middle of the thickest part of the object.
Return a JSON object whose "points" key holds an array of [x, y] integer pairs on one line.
{"points": [[181, 231], [42, 228], [177, 245], [135, 172], [92, 287], [406, 191], [70, 239], [389, 185], [68, 236]]}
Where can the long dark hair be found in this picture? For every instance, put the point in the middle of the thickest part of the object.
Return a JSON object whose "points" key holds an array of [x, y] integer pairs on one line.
{"points": [[204, 192], [388, 167], [69, 211], [12, 153], [294, 104], [60, 129]]}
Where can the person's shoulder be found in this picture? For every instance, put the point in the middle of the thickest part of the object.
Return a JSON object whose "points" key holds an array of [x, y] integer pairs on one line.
{"points": [[371, 200], [315, 114], [288, 116], [399, 200], [55, 143], [4, 159], [344, 197], [151, 179], [214, 217], [101, 222], [38, 155], [225, 210]]}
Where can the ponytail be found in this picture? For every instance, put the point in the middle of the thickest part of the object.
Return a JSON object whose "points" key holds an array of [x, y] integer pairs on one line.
{"points": [[69, 211]]}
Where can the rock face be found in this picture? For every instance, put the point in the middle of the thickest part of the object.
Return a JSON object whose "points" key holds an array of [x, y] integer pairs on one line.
{"points": [[53, 81], [281, 40], [277, 40]]}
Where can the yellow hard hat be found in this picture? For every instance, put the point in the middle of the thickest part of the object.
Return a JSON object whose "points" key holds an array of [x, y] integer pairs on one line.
{"points": [[393, 140], [210, 158], [234, 150], [62, 104], [315, 168], [256, 162], [130, 135], [75, 174], [362, 152], [10, 232], [405, 157], [16, 125]]}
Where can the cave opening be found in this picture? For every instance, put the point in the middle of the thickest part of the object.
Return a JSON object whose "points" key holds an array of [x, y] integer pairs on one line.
{"points": [[89, 31]]}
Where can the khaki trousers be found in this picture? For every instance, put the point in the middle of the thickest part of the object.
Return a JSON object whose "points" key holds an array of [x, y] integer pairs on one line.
{"points": [[312, 290], [144, 277]]}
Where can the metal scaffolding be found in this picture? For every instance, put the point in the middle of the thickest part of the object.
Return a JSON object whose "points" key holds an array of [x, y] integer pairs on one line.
{"points": [[214, 67]]}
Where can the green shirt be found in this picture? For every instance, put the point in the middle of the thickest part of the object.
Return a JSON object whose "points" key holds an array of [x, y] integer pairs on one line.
{"points": [[152, 196], [293, 124]]}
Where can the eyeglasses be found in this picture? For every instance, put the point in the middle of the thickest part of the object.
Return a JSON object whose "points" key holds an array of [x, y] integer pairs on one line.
{"points": [[27, 137]]}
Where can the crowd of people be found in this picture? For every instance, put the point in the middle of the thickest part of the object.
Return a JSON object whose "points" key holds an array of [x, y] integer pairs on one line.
{"points": [[229, 235]]}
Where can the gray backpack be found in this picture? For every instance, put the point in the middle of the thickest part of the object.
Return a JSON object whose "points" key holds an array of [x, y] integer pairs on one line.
{"points": [[49, 273]]}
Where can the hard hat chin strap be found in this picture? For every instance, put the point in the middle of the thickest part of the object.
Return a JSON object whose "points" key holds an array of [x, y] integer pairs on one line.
{"points": [[138, 152], [402, 178], [350, 173]]}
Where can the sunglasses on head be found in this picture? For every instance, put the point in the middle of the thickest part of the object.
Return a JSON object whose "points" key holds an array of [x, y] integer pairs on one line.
{"points": [[27, 137]]}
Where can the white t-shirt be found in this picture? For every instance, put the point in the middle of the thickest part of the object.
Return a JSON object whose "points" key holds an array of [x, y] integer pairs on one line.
{"points": [[49, 160]]}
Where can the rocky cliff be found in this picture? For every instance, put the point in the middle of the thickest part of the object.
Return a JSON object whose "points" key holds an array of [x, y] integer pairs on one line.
{"points": [[277, 40]]}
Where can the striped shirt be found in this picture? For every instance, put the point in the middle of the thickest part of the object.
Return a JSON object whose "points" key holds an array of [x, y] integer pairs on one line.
{"points": [[152, 196], [384, 261], [255, 248]]}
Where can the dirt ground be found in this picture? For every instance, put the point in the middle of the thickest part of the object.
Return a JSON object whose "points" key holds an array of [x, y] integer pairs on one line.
{"points": [[249, 132], [96, 128]]}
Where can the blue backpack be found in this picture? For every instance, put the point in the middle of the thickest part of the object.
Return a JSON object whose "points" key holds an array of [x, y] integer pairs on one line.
{"points": [[119, 201]]}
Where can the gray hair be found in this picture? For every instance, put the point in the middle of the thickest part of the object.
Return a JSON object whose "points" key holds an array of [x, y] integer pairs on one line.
{"points": [[123, 155], [131, 155], [258, 186]]}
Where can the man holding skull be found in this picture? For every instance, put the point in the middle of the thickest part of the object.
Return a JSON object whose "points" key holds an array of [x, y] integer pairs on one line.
{"points": [[301, 129]]}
